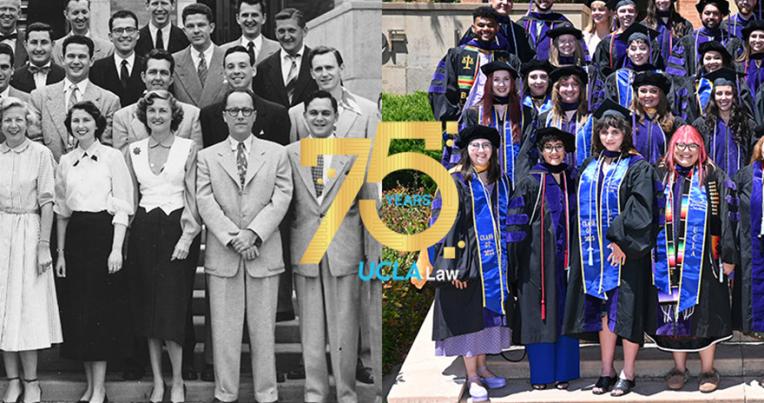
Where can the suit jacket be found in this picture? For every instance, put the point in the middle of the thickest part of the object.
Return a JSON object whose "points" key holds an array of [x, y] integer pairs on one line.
{"points": [[13, 92], [20, 56], [272, 123], [24, 80], [360, 120], [101, 49], [187, 86], [178, 41], [48, 104], [103, 73], [269, 82], [126, 127], [269, 47], [260, 206], [352, 243]]}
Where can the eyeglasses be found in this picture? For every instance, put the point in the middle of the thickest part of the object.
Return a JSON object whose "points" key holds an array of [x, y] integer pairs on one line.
{"points": [[479, 146], [685, 147], [126, 30], [558, 148], [233, 112]]}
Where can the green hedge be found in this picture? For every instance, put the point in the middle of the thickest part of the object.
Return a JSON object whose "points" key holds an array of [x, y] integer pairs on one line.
{"points": [[404, 307]]}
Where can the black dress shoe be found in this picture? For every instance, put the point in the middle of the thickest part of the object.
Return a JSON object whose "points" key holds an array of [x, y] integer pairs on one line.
{"points": [[188, 374], [364, 374], [208, 373], [216, 400]]}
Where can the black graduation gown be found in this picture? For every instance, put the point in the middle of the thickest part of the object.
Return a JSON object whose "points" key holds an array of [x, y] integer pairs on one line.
{"points": [[745, 149], [742, 289], [634, 231], [458, 312], [711, 318], [684, 101], [526, 254], [611, 55], [684, 57], [517, 40]]}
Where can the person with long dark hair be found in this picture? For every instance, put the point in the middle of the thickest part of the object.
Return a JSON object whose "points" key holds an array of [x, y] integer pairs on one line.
{"points": [[663, 17], [653, 120], [470, 318], [752, 60], [610, 270], [543, 208], [694, 254], [537, 85]]}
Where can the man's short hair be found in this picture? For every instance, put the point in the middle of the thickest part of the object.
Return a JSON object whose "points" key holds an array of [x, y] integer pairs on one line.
{"points": [[320, 94], [251, 3], [39, 27], [158, 54], [239, 48], [322, 50], [122, 14], [79, 40], [6, 49], [485, 12], [197, 8], [289, 13], [69, 1], [243, 91]]}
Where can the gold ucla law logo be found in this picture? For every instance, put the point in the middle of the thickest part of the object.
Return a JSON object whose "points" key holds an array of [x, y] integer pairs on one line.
{"points": [[468, 61]]}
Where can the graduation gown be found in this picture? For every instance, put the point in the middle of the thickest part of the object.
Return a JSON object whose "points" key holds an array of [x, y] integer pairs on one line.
{"points": [[665, 38], [684, 58], [650, 140], [537, 25], [733, 25], [690, 95], [458, 312], [634, 231], [709, 321], [618, 85], [754, 73], [527, 251], [582, 128], [721, 146], [611, 53], [515, 37]]}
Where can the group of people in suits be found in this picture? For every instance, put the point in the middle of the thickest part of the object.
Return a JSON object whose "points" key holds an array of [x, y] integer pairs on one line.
{"points": [[609, 188], [120, 152]]}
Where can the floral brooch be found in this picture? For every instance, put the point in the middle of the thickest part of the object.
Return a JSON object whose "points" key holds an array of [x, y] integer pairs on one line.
{"points": [[137, 151]]}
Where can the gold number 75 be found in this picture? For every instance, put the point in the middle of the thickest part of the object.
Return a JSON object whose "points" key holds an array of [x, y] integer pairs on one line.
{"points": [[382, 165]]}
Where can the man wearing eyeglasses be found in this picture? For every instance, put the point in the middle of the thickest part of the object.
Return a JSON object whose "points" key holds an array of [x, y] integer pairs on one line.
{"points": [[120, 72], [244, 188]]}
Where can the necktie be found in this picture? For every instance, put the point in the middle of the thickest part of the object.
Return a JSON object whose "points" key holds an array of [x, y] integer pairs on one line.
{"points": [[124, 75], [201, 69], [241, 163], [251, 50], [160, 41], [318, 175], [292, 77], [72, 100]]}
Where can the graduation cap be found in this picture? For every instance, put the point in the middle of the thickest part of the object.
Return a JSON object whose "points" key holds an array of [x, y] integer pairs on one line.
{"points": [[535, 64], [723, 76], [496, 65], [565, 29], [616, 4], [637, 31], [470, 133], [568, 139], [653, 78], [612, 108], [753, 25], [718, 47], [565, 71], [723, 5]]}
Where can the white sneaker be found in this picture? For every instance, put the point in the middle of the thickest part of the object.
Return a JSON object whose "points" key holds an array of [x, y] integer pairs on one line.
{"points": [[478, 393]]}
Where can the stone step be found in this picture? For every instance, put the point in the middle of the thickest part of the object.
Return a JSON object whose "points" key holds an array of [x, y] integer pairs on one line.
{"points": [[68, 387], [731, 390]]}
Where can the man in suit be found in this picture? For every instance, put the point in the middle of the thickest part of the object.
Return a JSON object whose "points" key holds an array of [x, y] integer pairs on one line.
{"points": [[52, 102], [244, 186], [198, 77], [328, 292], [120, 72], [284, 77], [156, 74], [39, 70], [251, 17], [169, 37], [9, 33], [77, 13]]}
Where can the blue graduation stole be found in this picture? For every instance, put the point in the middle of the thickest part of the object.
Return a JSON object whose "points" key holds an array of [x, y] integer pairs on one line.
{"points": [[757, 251], [703, 88], [685, 255], [508, 150], [584, 142], [491, 238], [547, 105], [596, 211], [623, 78]]}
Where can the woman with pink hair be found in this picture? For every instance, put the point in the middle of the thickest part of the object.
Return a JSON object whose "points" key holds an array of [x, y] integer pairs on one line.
{"points": [[694, 254]]}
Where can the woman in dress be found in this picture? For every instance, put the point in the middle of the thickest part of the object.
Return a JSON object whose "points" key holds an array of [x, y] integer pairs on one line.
{"points": [[694, 254], [503, 111], [726, 127], [164, 247], [537, 86], [471, 311], [543, 213], [599, 24], [94, 199], [610, 269], [28, 308], [662, 16], [654, 123]]}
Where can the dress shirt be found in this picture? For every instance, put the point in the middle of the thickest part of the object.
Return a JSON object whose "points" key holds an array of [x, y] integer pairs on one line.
{"points": [[258, 42], [207, 56], [130, 63], [93, 185], [41, 79], [286, 63], [165, 35], [81, 87], [247, 145], [11, 42], [347, 102], [27, 178], [6, 92], [327, 165]]}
